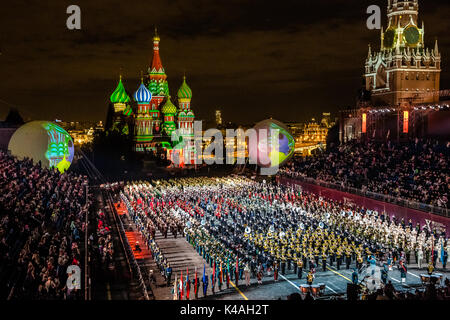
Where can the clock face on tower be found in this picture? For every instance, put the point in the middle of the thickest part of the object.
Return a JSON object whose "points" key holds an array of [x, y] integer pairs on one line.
{"points": [[389, 37], [411, 35]]}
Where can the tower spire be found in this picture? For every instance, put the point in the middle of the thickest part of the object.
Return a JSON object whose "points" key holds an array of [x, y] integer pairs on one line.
{"points": [[156, 37], [436, 48], [382, 37], [156, 66]]}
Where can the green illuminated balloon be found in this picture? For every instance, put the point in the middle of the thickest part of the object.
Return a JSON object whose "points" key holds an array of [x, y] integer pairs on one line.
{"points": [[43, 141]]}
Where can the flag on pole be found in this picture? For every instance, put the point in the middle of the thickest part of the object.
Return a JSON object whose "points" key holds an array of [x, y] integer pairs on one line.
{"points": [[175, 289], [214, 274], [196, 281], [220, 274], [204, 272], [181, 286], [228, 272], [188, 289]]}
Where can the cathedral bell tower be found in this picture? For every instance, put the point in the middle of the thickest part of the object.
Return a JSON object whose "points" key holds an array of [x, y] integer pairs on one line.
{"points": [[404, 71]]}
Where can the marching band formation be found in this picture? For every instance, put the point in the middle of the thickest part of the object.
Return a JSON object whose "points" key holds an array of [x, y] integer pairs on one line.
{"points": [[246, 229]]}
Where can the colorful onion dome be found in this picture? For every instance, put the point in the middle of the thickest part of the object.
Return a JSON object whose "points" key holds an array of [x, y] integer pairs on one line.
{"points": [[142, 94], [120, 95], [168, 107], [184, 92]]}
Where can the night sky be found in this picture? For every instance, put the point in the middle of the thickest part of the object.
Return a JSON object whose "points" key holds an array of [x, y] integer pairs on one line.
{"points": [[252, 59]]}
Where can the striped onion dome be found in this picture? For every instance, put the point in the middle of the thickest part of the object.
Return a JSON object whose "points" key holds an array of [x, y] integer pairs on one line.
{"points": [[142, 94], [168, 107], [120, 95], [184, 92]]}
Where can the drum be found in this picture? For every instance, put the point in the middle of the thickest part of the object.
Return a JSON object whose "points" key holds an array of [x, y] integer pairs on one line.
{"points": [[425, 278], [305, 288], [315, 289], [322, 288], [436, 278]]}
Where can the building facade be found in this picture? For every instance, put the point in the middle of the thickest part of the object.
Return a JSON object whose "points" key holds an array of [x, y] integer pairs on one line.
{"points": [[404, 70], [153, 114], [403, 82]]}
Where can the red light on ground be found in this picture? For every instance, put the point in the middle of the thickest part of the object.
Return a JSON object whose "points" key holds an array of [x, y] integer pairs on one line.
{"points": [[405, 121], [364, 121]]}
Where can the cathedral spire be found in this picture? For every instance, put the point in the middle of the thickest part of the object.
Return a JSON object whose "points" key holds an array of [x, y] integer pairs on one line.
{"points": [[157, 76], [382, 38], [436, 48], [369, 54], [156, 66]]}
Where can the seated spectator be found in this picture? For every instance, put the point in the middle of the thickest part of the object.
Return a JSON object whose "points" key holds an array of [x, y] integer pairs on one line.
{"points": [[41, 225], [137, 247], [416, 171]]}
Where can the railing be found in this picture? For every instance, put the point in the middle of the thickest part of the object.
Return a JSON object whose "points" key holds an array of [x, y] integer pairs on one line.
{"points": [[87, 255], [134, 268], [373, 195]]}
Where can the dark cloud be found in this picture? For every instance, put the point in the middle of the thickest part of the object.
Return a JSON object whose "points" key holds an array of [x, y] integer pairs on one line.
{"points": [[251, 58]]}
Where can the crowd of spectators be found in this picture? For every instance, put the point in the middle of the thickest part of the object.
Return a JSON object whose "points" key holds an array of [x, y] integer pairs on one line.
{"points": [[104, 245], [388, 292], [416, 171], [42, 214]]}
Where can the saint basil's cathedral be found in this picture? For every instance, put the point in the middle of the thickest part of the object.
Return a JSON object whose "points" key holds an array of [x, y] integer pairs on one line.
{"points": [[151, 116]]}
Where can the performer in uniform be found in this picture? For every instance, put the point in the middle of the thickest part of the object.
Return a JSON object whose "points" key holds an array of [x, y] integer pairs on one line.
{"points": [[348, 259], [310, 278], [213, 284], [275, 270], [355, 276], [295, 263], [324, 261], [205, 284], [339, 259], [403, 271], [283, 265], [300, 268]]}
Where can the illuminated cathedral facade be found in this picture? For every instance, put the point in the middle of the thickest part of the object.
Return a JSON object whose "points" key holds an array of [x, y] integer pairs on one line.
{"points": [[151, 116]]}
